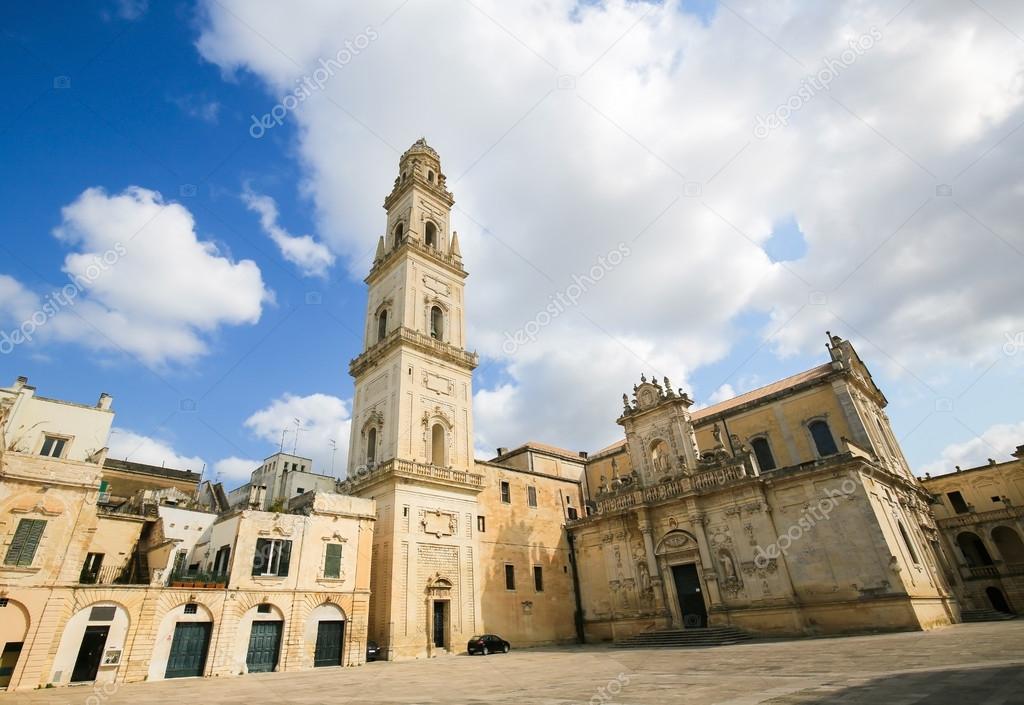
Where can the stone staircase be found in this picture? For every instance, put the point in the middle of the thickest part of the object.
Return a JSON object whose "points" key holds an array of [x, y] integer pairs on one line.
{"points": [[681, 638], [985, 615]]}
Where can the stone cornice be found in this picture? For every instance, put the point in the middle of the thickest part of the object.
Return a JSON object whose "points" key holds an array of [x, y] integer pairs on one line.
{"points": [[417, 341], [446, 260], [411, 470]]}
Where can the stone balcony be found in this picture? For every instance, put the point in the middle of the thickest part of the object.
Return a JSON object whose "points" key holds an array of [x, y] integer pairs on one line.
{"points": [[700, 482], [972, 518], [421, 342], [411, 470]]}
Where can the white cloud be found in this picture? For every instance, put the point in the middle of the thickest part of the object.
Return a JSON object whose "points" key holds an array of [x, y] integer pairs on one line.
{"points": [[311, 257], [547, 179], [726, 391], [234, 471], [125, 444], [140, 281], [997, 443], [324, 418], [199, 107]]}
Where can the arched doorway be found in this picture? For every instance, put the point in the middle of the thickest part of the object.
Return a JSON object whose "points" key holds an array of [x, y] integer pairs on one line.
{"points": [[1009, 545], [325, 636], [264, 623], [997, 599], [14, 623], [182, 642], [678, 555], [91, 645], [973, 549]]}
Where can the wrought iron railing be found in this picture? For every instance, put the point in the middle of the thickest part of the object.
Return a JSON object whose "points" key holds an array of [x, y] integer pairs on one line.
{"points": [[183, 577]]}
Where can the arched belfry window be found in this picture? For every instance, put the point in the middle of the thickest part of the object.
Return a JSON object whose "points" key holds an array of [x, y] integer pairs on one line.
{"points": [[436, 323], [824, 443], [438, 438], [382, 325], [399, 234], [430, 176], [763, 453], [430, 237], [371, 446]]}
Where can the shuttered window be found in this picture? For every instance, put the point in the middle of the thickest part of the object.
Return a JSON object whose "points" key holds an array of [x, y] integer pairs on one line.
{"points": [[332, 561], [26, 540]]}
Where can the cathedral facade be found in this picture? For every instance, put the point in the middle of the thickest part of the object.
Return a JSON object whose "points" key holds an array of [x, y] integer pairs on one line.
{"points": [[788, 510]]}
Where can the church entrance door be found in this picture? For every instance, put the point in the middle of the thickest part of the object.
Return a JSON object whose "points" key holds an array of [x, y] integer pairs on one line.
{"points": [[440, 622], [691, 599]]}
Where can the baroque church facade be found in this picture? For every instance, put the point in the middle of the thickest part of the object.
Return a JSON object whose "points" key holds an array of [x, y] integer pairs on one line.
{"points": [[788, 510]]}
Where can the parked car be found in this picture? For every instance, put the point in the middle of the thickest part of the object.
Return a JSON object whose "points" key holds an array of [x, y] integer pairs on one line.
{"points": [[487, 644], [372, 650]]}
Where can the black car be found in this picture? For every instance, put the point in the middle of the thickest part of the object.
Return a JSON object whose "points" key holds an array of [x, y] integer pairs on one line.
{"points": [[488, 644], [372, 650]]}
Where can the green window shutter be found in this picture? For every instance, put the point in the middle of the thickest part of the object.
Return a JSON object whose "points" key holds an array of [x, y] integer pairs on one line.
{"points": [[332, 563], [26, 540], [286, 554]]}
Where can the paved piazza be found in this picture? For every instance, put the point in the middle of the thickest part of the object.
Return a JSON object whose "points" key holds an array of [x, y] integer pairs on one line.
{"points": [[967, 664]]}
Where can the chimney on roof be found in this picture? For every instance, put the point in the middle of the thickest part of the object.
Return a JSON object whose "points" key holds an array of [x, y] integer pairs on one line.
{"points": [[991, 461], [20, 382], [105, 401], [584, 454], [502, 451], [1019, 453]]}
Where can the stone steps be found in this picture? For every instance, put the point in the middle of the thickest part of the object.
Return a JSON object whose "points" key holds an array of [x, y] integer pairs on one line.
{"points": [[676, 638], [985, 615]]}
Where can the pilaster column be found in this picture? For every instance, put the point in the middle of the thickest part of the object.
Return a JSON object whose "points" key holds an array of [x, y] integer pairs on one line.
{"points": [[646, 533]]}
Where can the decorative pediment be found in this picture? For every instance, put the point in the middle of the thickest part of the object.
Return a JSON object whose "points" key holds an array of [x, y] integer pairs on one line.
{"points": [[438, 412], [677, 540], [438, 585], [335, 538], [42, 505], [648, 395], [279, 528]]}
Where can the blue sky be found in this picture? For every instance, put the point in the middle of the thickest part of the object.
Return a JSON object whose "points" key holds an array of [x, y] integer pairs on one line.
{"points": [[161, 96]]}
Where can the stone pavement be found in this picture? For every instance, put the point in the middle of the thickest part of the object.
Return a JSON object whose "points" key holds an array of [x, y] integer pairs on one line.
{"points": [[968, 664]]}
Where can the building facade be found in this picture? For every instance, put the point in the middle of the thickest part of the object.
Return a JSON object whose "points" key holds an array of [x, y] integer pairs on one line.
{"points": [[787, 510], [98, 590], [980, 514]]}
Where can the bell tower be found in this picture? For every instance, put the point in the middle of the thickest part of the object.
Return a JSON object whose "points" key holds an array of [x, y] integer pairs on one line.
{"points": [[413, 380], [412, 423]]}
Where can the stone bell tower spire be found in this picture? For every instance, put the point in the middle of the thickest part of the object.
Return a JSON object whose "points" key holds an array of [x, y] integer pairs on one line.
{"points": [[413, 398]]}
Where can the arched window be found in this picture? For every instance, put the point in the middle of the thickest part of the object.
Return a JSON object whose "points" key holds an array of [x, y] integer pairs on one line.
{"points": [[763, 453], [436, 323], [431, 235], [430, 176], [659, 456], [437, 441], [382, 325], [1009, 545], [371, 446], [399, 234], [823, 441], [973, 549]]}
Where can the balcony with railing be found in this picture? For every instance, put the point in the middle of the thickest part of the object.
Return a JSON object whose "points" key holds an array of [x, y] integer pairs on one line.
{"points": [[397, 467], [420, 341], [195, 578], [972, 517]]}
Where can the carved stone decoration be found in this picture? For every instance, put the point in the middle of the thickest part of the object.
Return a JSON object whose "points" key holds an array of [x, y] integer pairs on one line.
{"points": [[730, 580], [676, 540], [439, 523], [436, 285]]}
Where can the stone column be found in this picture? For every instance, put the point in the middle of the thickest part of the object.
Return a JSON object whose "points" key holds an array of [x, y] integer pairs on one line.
{"points": [[646, 532]]}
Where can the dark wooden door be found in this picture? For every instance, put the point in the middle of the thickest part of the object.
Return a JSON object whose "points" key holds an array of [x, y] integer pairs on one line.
{"points": [[188, 650], [691, 599], [90, 654], [329, 636], [440, 619], [9, 659], [264, 645]]}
